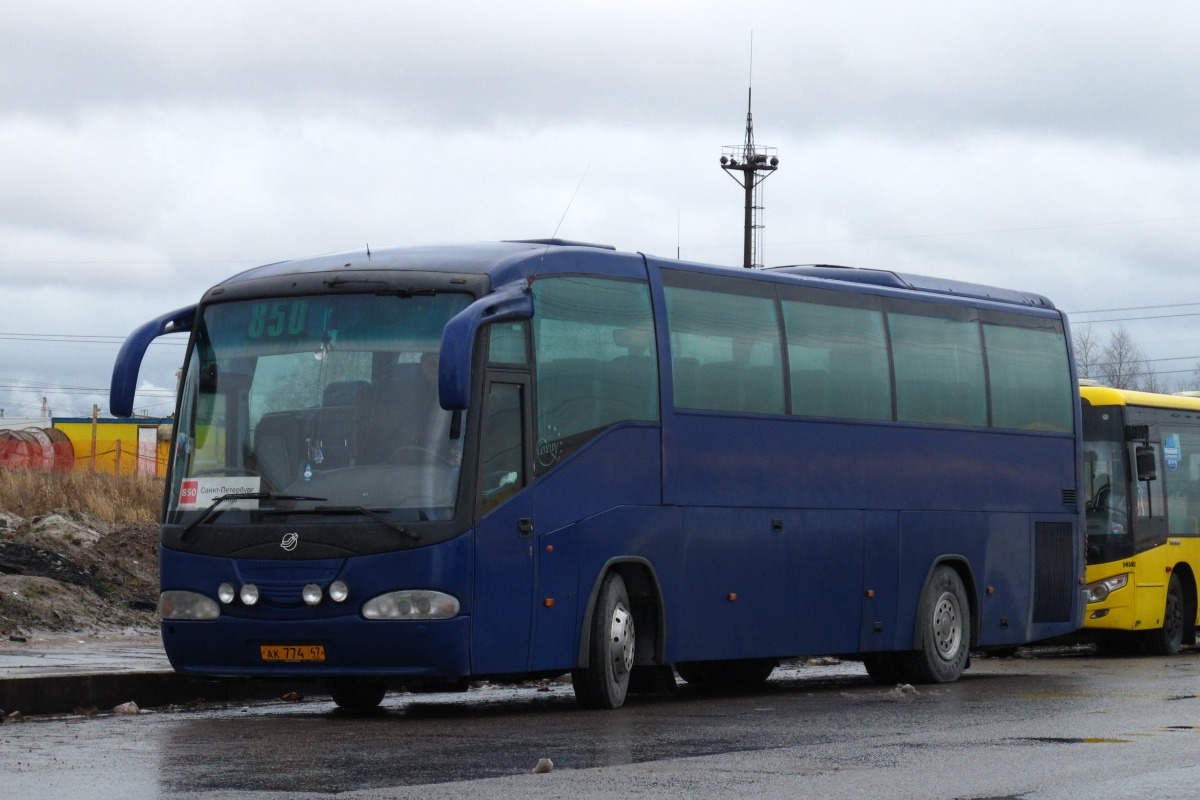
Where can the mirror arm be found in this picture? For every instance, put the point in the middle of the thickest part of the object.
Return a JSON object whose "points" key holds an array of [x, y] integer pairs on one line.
{"points": [[510, 301], [133, 350]]}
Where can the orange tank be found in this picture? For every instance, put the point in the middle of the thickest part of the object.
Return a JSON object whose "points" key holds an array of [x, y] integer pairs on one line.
{"points": [[39, 449]]}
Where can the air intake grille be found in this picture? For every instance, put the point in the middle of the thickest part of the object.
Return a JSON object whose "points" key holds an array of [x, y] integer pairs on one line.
{"points": [[1054, 562]]}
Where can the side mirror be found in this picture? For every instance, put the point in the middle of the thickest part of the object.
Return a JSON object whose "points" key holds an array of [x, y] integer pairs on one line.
{"points": [[129, 359], [1147, 464], [511, 301]]}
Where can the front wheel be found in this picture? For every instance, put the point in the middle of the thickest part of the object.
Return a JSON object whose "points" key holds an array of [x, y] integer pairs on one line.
{"points": [[604, 682], [1167, 640], [944, 623]]}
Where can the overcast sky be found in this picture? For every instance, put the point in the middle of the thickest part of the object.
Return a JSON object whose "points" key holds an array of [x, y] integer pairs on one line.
{"points": [[149, 150]]}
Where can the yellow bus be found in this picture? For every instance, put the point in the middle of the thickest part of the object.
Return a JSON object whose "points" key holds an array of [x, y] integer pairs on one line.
{"points": [[1141, 483]]}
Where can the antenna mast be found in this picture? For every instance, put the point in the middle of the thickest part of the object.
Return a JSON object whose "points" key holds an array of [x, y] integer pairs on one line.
{"points": [[754, 164]]}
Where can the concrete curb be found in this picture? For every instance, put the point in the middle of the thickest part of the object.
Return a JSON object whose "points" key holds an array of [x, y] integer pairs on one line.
{"points": [[69, 694]]}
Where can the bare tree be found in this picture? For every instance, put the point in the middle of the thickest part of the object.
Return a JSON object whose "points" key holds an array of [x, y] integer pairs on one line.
{"points": [[1123, 364], [1151, 382], [1087, 352], [1192, 382]]}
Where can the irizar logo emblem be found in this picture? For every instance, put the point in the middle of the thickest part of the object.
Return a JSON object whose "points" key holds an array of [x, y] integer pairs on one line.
{"points": [[290, 540]]}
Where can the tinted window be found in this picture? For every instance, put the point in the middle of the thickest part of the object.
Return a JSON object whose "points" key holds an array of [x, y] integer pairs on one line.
{"points": [[725, 349], [501, 463], [939, 370], [838, 360], [1030, 378], [595, 351], [506, 343]]}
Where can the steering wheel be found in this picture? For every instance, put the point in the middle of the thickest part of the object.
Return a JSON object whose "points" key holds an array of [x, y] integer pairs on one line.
{"points": [[413, 453]]}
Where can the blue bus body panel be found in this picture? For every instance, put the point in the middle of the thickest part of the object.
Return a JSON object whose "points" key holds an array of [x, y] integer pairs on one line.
{"points": [[804, 567], [776, 462], [432, 650], [905, 496], [594, 503], [353, 644]]}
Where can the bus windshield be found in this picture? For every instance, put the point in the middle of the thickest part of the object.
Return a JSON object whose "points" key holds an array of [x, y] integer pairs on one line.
{"points": [[317, 405], [1109, 536]]}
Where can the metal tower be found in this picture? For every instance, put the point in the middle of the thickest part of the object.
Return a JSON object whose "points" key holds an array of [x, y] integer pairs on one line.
{"points": [[755, 164]]}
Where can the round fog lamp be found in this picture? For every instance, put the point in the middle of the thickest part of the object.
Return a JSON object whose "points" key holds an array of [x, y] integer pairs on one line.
{"points": [[339, 591], [249, 594], [311, 594], [225, 593]]}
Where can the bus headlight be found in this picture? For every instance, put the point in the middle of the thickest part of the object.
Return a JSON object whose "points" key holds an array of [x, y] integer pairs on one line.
{"points": [[179, 604], [1100, 590], [411, 604], [339, 591], [249, 594]]}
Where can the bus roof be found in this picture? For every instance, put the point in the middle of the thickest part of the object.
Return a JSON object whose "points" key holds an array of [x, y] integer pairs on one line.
{"points": [[1097, 395], [898, 280], [481, 258], [505, 261]]}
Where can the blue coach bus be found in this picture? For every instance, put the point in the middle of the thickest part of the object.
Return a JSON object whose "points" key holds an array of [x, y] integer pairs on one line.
{"points": [[423, 466]]}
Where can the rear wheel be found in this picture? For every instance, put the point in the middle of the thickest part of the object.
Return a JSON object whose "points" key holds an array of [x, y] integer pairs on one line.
{"points": [[1167, 640], [604, 682], [944, 623], [357, 695]]}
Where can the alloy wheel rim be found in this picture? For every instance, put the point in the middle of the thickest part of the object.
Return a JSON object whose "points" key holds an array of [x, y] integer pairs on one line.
{"points": [[947, 626], [621, 640]]}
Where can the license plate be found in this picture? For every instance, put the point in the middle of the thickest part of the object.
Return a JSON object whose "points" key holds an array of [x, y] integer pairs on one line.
{"points": [[292, 652]]}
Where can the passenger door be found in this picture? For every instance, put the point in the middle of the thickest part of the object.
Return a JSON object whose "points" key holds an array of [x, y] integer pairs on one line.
{"points": [[502, 612]]}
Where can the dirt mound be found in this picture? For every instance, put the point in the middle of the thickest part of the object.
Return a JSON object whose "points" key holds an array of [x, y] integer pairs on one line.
{"points": [[68, 571]]}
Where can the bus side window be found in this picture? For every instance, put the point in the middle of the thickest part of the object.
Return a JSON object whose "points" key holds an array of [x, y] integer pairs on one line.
{"points": [[501, 462], [597, 363], [1183, 483], [938, 363], [726, 347]]}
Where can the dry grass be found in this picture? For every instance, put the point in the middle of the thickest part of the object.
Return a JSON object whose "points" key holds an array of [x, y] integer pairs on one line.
{"points": [[118, 500]]}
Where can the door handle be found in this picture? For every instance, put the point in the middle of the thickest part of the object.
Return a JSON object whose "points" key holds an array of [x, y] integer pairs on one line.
{"points": [[525, 526]]}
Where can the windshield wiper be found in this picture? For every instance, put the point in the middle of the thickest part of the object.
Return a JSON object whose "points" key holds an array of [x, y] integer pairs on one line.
{"points": [[212, 511], [367, 512]]}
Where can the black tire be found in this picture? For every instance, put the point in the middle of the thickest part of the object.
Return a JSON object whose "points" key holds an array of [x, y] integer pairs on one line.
{"points": [[881, 667], [1167, 640], [944, 628], [727, 674], [612, 641], [357, 695]]}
